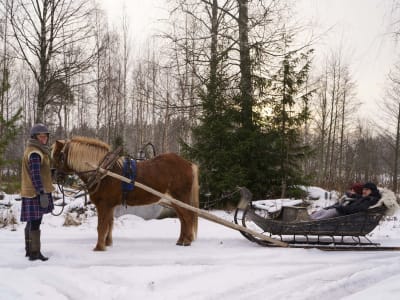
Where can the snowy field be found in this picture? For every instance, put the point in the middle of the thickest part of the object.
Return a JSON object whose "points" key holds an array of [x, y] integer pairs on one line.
{"points": [[145, 263]]}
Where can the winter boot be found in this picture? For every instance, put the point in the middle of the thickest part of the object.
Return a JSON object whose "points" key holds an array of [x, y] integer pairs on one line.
{"points": [[35, 253], [27, 242]]}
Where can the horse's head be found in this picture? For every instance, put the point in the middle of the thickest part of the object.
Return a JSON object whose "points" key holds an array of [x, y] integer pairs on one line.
{"points": [[59, 152], [73, 156]]}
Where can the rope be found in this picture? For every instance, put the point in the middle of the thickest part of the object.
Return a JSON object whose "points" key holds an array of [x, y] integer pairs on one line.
{"points": [[64, 193], [60, 187]]}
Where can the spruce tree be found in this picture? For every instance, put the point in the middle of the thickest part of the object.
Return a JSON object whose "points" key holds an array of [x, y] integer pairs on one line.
{"points": [[288, 104], [214, 147], [229, 154], [8, 127]]}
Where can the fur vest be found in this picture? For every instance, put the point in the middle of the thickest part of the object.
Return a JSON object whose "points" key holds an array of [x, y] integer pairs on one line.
{"points": [[27, 188]]}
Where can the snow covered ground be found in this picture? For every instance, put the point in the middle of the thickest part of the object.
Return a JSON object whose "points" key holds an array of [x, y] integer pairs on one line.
{"points": [[145, 263]]}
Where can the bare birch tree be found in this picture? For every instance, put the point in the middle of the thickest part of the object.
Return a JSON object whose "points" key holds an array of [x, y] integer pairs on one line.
{"points": [[333, 107], [391, 131], [43, 31]]}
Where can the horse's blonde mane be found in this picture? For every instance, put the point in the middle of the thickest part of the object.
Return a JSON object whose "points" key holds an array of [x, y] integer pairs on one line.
{"points": [[85, 149]]}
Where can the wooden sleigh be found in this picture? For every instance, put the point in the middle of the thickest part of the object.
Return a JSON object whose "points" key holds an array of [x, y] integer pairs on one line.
{"points": [[293, 226]]}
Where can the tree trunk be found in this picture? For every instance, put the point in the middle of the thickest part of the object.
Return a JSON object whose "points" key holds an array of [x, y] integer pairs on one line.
{"points": [[396, 152], [246, 89]]}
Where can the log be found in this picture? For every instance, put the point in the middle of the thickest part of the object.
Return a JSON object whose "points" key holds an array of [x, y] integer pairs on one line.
{"points": [[168, 200]]}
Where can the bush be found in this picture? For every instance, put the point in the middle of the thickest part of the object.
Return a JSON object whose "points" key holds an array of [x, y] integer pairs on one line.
{"points": [[296, 193], [11, 185]]}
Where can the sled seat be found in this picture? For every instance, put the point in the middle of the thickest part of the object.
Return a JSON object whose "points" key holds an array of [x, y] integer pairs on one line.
{"points": [[294, 214]]}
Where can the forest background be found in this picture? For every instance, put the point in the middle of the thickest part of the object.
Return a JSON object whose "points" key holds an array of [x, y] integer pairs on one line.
{"points": [[233, 85]]}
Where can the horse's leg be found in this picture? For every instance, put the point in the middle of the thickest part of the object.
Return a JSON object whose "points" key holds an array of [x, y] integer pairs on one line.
{"points": [[186, 219], [179, 242], [110, 221], [102, 228]]}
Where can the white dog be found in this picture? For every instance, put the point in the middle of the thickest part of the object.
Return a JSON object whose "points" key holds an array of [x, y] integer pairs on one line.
{"points": [[389, 200]]}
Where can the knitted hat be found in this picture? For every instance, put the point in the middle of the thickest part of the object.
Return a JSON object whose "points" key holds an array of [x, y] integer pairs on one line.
{"points": [[371, 186]]}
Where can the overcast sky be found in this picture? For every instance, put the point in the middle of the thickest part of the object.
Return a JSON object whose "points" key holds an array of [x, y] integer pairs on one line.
{"points": [[143, 15], [359, 27]]}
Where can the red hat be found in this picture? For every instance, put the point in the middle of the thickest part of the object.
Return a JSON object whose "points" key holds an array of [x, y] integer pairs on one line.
{"points": [[357, 187]]}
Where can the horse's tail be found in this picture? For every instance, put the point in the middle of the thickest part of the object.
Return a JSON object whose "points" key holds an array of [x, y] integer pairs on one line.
{"points": [[194, 197]]}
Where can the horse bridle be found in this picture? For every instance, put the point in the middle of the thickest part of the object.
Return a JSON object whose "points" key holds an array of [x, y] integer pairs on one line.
{"points": [[96, 177], [62, 159]]}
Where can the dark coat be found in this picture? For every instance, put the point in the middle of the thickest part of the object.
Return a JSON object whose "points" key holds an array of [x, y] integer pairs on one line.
{"points": [[359, 204]]}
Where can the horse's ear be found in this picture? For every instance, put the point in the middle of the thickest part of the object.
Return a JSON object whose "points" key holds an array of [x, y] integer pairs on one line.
{"points": [[60, 143]]}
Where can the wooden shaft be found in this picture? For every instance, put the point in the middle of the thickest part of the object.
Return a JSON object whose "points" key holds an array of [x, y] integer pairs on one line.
{"points": [[168, 200]]}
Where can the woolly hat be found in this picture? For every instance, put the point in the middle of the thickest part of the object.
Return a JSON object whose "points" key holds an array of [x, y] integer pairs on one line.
{"points": [[357, 187], [371, 186]]}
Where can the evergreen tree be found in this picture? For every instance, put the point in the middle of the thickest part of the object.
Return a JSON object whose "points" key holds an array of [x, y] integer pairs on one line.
{"points": [[8, 127], [214, 142], [288, 106], [230, 155], [235, 144]]}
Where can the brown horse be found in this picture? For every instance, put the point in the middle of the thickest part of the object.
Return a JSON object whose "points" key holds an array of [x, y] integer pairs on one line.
{"points": [[167, 173]]}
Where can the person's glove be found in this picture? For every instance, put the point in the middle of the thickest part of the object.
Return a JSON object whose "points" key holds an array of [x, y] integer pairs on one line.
{"points": [[44, 200]]}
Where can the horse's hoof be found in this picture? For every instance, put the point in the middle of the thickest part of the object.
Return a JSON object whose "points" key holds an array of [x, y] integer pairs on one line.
{"points": [[181, 243], [98, 248]]}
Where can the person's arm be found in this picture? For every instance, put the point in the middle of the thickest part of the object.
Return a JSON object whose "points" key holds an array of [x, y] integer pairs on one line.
{"points": [[358, 205], [34, 168]]}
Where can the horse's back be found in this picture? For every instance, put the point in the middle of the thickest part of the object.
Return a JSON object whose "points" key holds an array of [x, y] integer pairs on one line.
{"points": [[171, 161], [167, 170]]}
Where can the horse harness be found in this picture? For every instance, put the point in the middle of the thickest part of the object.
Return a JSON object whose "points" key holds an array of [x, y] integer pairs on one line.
{"points": [[106, 163], [129, 171]]}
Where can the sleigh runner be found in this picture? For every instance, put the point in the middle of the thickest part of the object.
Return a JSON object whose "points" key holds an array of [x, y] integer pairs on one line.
{"points": [[293, 226]]}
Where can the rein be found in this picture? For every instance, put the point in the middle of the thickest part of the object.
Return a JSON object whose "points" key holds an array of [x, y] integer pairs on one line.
{"points": [[61, 188]]}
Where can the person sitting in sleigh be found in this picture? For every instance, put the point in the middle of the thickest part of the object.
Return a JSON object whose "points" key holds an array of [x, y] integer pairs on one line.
{"points": [[369, 197]]}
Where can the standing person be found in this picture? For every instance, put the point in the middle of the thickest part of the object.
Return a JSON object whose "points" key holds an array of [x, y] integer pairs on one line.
{"points": [[36, 188]]}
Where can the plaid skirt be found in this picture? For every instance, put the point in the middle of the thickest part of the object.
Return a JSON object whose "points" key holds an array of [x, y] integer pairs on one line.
{"points": [[31, 210]]}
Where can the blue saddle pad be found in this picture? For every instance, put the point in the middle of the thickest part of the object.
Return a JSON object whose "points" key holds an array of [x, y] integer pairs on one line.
{"points": [[129, 171]]}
